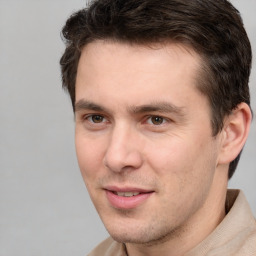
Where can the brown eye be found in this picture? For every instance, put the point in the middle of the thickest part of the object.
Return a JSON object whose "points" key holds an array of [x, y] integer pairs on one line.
{"points": [[96, 119], [156, 120]]}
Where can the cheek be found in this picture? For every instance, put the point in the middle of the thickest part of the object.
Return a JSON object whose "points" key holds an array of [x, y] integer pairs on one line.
{"points": [[182, 163], [170, 167], [89, 156], [168, 157]]}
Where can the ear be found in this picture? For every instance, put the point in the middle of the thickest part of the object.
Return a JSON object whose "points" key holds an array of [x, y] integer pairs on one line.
{"points": [[235, 132]]}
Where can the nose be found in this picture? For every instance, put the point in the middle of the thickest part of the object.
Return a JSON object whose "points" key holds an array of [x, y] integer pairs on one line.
{"points": [[123, 151]]}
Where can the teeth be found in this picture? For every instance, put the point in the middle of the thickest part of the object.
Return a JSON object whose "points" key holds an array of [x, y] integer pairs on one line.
{"points": [[127, 194]]}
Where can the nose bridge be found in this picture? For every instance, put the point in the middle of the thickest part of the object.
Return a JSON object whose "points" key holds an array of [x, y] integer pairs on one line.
{"points": [[121, 134], [122, 150]]}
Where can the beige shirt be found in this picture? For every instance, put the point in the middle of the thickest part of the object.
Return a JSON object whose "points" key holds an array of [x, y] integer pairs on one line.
{"points": [[235, 235]]}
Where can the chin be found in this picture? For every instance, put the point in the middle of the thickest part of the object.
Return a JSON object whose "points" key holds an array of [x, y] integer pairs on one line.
{"points": [[139, 235], [127, 238], [127, 233]]}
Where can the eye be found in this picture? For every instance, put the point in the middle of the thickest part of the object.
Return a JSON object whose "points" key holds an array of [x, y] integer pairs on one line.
{"points": [[96, 119], [156, 120]]}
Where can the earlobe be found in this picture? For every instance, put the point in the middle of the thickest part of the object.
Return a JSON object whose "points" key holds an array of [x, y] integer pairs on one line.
{"points": [[235, 132]]}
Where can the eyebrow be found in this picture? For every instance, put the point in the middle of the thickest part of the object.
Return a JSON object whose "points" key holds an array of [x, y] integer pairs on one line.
{"points": [[84, 104], [161, 107]]}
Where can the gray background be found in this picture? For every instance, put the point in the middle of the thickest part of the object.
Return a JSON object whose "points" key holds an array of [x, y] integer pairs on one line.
{"points": [[44, 206]]}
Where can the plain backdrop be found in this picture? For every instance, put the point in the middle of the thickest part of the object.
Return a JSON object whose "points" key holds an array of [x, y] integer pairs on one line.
{"points": [[44, 205]]}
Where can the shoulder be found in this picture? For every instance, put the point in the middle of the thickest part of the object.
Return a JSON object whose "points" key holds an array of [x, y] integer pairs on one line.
{"points": [[247, 241], [238, 229], [108, 247], [235, 235]]}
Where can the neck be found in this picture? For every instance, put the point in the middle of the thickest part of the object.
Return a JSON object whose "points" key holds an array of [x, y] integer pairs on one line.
{"points": [[195, 230]]}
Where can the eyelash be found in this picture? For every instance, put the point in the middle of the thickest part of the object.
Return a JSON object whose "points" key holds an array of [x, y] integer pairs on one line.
{"points": [[148, 119], [162, 119], [89, 117]]}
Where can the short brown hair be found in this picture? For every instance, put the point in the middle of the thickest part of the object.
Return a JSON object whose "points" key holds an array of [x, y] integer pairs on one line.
{"points": [[212, 28]]}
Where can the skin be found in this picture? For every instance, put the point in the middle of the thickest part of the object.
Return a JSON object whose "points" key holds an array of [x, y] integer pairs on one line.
{"points": [[141, 124]]}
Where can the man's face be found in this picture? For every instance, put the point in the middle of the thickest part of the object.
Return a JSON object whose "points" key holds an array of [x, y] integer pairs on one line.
{"points": [[144, 139]]}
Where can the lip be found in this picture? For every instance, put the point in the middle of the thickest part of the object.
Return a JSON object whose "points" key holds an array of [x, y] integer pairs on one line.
{"points": [[122, 202]]}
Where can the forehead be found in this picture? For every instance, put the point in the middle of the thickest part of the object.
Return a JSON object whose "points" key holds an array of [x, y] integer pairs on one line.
{"points": [[99, 50], [120, 71]]}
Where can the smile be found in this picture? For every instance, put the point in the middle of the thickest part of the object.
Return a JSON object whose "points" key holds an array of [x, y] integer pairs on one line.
{"points": [[127, 198], [126, 194]]}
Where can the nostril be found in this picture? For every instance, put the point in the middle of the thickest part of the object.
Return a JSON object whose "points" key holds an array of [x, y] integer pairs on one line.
{"points": [[121, 162]]}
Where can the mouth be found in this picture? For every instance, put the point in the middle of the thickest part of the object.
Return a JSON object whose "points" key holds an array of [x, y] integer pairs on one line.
{"points": [[126, 194], [125, 198]]}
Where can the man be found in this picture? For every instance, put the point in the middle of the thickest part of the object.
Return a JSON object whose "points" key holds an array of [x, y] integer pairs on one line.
{"points": [[162, 109]]}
